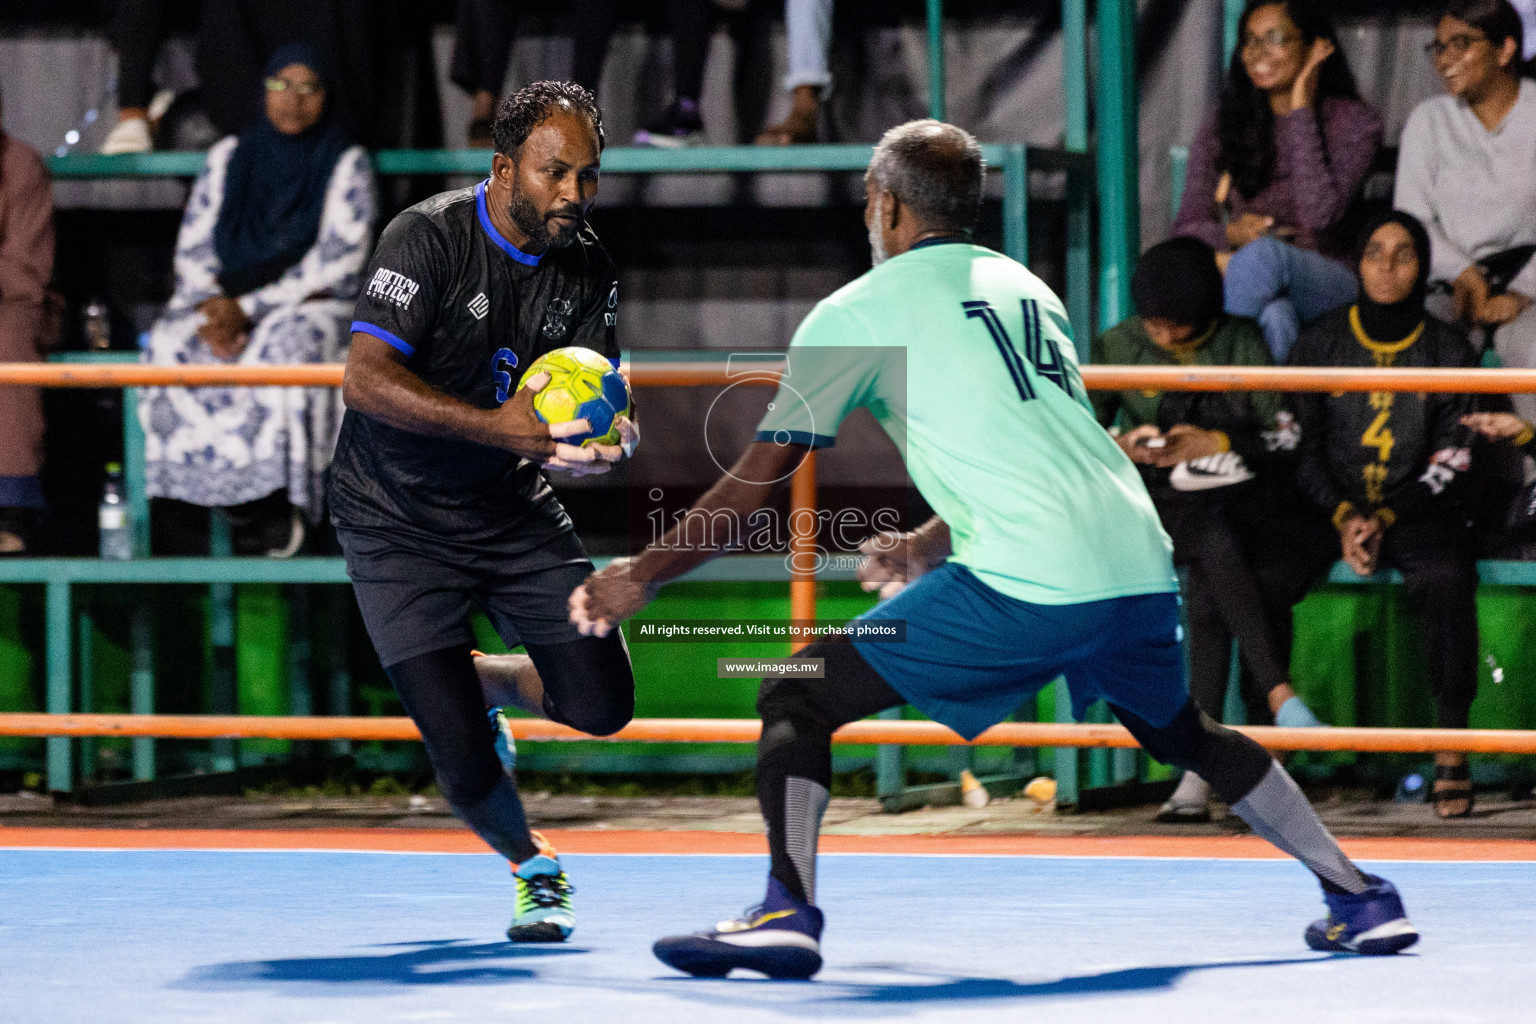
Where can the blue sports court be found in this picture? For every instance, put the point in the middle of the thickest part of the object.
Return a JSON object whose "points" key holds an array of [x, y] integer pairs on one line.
{"points": [[217, 935]]}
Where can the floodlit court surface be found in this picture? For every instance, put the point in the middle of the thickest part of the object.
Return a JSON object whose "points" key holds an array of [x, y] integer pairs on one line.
{"points": [[405, 925]]}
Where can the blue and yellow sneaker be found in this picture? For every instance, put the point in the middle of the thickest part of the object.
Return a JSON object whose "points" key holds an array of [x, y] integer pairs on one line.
{"points": [[1372, 923], [501, 734], [544, 912], [780, 937]]}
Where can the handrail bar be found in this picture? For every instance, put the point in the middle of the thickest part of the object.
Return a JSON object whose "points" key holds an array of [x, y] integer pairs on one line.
{"points": [[704, 373], [747, 730]]}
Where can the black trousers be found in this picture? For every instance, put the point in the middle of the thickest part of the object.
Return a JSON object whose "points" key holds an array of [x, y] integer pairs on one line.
{"points": [[799, 716], [1222, 597], [482, 44], [588, 685], [237, 37], [690, 23], [1438, 561], [138, 31]]}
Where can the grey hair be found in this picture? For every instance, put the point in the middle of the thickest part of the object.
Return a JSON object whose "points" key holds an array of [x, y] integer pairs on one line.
{"points": [[934, 168]]}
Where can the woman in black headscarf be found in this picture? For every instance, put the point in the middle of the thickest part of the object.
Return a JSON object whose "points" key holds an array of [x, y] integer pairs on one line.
{"points": [[1385, 466], [268, 263]]}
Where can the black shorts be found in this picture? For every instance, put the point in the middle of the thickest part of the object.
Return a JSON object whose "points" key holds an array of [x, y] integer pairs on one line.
{"points": [[415, 597]]}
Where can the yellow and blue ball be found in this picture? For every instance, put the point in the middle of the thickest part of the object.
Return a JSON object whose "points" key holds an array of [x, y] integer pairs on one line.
{"points": [[583, 384]]}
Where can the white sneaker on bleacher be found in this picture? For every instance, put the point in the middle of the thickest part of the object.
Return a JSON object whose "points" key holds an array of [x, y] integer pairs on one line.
{"points": [[1212, 471], [130, 136]]}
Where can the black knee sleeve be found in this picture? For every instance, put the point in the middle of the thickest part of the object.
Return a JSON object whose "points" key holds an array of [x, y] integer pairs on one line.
{"points": [[589, 684], [1231, 762], [441, 693]]}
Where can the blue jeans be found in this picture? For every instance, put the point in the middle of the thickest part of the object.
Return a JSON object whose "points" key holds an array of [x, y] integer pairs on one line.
{"points": [[1284, 288]]}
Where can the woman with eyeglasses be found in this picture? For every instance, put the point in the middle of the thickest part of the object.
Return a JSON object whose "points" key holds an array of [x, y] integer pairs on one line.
{"points": [[1276, 168], [1468, 171], [268, 264]]}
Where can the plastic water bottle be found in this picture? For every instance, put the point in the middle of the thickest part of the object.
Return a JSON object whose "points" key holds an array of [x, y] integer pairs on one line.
{"points": [[1411, 790], [96, 327], [114, 537]]}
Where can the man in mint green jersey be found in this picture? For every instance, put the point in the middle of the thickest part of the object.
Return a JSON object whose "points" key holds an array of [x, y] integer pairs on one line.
{"points": [[1045, 557]]}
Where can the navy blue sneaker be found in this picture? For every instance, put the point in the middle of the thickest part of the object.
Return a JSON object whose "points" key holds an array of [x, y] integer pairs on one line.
{"points": [[781, 937], [1372, 923]]}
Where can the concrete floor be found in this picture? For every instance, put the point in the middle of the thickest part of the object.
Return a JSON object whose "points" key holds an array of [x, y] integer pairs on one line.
{"points": [[1494, 818]]}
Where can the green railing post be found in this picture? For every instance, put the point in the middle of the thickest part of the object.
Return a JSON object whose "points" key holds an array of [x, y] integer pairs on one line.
{"points": [[134, 473], [1119, 191], [340, 681], [1016, 204], [1234, 15], [1065, 757], [1074, 64], [224, 697], [87, 696], [936, 59], [890, 774], [1178, 170], [61, 775], [141, 687]]}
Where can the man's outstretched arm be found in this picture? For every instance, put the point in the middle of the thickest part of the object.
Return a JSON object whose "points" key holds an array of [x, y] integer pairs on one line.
{"points": [[609, 597], [378, 384]]}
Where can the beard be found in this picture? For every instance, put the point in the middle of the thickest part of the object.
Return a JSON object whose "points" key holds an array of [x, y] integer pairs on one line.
{"points": [[536, 225], [877, 253]]}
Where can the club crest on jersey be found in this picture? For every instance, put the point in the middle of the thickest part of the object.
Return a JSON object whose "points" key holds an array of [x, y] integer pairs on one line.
{"points": [[557, 317]]}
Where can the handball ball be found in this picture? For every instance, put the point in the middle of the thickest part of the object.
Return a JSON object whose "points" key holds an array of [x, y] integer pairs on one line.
{"points": [[582, 385]]}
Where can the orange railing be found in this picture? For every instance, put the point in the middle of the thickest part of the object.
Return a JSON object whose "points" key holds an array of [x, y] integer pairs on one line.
{"points": [[803, 583], [746, 730], [1097, 378]]}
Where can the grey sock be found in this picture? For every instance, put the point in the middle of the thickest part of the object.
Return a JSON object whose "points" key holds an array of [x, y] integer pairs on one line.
{"points": [[1277, 810], [1193, 791], [805, 801]]}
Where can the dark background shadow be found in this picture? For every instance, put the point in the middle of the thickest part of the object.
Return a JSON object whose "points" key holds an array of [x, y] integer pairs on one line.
{"points": [[421, 963], [951, 989]]}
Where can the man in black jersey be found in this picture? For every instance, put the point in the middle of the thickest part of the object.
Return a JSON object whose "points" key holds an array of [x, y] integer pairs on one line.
{"points": [[437, 490]]}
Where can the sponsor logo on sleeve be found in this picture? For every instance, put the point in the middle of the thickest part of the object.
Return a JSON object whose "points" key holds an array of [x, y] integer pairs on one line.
{"points": [[392, 287], [389, 286]]}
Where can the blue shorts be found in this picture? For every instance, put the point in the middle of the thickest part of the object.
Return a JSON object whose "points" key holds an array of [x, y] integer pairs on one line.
{"points": [[972, 655]]}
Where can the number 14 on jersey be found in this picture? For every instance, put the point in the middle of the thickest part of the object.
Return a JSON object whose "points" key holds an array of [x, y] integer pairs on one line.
{"points": [[1039, 351]]}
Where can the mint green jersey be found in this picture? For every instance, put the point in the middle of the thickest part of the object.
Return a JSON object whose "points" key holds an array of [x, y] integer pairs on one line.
{"points": [[966, 360]]}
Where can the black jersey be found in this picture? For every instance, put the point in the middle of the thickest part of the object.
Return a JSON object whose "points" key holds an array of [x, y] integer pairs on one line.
{"points": [[470, 312], [1380, 449]]}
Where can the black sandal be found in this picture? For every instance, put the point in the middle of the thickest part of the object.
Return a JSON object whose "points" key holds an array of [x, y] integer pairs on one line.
{"points": [[1460, 774]]}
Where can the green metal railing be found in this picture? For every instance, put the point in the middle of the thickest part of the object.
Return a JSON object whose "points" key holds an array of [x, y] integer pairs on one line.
{"points": [[1114, 170]]}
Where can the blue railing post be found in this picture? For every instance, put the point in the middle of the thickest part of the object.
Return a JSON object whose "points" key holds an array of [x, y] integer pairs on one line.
{"points": [[1233, 16], [1119, 178], [61, 775], [1074, 63], [141, 687], [134, 474], [890, 772], [224, 689], [936, 59], [86, 699], [1016, 203], [1066, 758]]}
